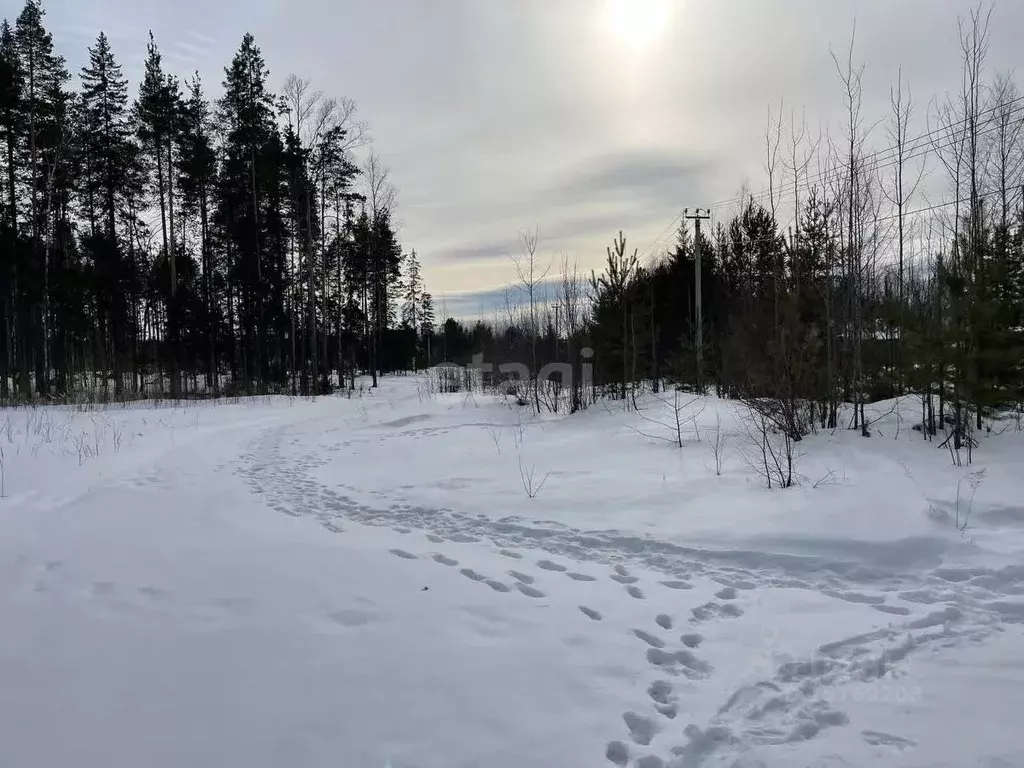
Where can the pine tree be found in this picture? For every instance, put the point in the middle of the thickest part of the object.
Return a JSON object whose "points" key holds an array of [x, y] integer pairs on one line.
{"points": [[44, 150], [10, 104], [105, 126], [197, 178], [10, 126], [305, 231], [158, 117], [246, 118], [358, 278], [102, 183]]}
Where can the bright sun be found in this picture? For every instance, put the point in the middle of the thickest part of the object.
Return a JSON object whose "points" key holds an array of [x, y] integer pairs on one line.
{"points": [[638, 23]]}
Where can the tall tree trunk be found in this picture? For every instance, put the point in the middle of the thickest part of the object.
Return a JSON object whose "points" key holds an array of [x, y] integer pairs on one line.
{"points": [[311, 297], [173, 313]]}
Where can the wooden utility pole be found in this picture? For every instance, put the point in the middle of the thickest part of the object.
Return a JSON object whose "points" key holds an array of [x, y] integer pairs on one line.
{"points": [[698, 215]]}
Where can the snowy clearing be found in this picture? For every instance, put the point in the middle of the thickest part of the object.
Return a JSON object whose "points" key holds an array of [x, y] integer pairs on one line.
{"points": [[424, 581]]}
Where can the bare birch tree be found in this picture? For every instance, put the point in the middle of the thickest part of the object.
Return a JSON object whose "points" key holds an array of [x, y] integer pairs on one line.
{"points": [[531, 276], [899, 194]]}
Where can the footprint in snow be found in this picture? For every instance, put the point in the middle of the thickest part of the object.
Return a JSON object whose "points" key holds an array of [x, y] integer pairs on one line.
{"points": [[590, 613], [621, 570], [738, 583], [521, 577], [660, 692], [497, 586], [897, 610], [529, 591], [641, 729], [510, 553], [664, 621], [624, 579], [617, 753], [469, 573], [876, 738], [403, 554], [433, 537], [462, 538], [651, 640], [445, 560], [692, 640], [727, 593], [679, 661], [547, 565], [635, 592], [854, 597], [713, 610], [581, 577], [676, 584]]}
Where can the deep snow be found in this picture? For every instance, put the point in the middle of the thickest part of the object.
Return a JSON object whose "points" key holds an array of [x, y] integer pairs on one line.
{"points": [[366, 582]]}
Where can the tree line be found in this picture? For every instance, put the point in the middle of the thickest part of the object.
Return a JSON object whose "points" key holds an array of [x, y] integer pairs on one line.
{"points": [[871, 291], [176, 244]]}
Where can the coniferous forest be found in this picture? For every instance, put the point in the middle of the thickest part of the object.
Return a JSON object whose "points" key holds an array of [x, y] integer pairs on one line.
{"points": [[166, 243]]}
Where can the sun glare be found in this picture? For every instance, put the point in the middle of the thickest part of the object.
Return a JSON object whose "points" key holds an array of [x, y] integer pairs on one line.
{"points": [[638, 23]]}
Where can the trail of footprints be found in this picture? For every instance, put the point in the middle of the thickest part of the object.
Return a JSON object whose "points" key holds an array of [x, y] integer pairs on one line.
{"points": [[671, 658], [676, 658], [524, 582]]}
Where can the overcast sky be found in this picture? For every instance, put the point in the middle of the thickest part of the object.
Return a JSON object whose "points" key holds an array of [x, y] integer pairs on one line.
{"points": [[496, 116]]}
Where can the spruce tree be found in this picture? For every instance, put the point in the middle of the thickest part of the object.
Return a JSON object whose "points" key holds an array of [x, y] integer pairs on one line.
{"points": [[413, 295], [427, 324]]}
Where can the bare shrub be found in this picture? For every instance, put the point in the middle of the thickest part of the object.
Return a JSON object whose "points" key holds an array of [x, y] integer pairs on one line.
{"points": [[770, 450], [974, 479], [718, 444], [530, 484], [832, 477], [83, 447], [494, 430], [518, 429], [678, 415]]}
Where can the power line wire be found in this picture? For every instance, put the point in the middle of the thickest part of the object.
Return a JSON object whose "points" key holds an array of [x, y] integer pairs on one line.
{"points": [[1017, 104]]}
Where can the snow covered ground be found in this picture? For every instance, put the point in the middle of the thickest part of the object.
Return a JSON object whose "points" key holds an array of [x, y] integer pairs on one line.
{"points": [[367, 582]]}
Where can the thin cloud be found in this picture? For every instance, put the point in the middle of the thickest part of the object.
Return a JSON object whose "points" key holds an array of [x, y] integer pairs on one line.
{"points": [[649, 174]]}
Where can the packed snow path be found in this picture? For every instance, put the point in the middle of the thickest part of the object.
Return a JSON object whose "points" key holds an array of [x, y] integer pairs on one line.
{"points": [[171, 604]]}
